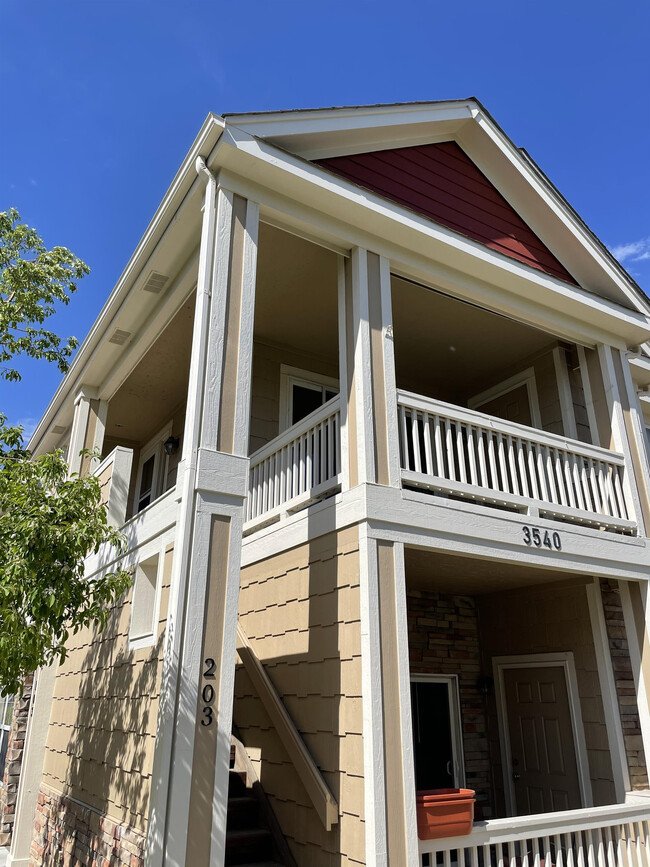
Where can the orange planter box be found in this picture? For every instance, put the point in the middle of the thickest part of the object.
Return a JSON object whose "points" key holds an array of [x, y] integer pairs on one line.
{"points": [[444, 813]]}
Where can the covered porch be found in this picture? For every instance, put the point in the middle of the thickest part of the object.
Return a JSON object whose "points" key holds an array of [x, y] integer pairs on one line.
{"points": [[522, 689]]}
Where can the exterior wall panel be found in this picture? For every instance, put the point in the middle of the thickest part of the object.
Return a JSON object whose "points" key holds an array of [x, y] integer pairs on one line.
{"points": [[300, 611], [441, 182]]}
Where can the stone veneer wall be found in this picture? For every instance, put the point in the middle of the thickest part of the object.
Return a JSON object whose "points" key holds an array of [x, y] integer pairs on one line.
{"points": [[68, 834], [15, 750], [444, 639], [624, 679]]}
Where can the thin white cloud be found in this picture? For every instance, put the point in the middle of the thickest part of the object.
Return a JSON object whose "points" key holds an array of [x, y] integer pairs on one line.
{"points": [[28, 425], [635, 251]]}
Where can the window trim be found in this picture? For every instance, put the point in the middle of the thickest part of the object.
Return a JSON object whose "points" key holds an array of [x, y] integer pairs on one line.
{"points": [[524, 377], [147, 639], [290, 376], [455, 720], [154, 448], [4, 729]]}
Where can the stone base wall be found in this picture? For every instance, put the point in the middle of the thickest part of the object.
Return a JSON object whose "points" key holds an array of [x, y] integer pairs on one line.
{"points": [[624, 679], [15, 751], [444, 639], [68, 834]]}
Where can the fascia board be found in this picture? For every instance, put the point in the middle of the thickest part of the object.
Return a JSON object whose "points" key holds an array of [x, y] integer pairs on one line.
{"points": [[320, 134], [181, 185], [490, 137], [284, 124], [263, 163]]}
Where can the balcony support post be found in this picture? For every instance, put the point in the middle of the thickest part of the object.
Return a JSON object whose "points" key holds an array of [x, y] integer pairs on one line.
{"points": [[389, 775], [622, 434], [369, 406], [187, 813], [634, 599], [88, 428]]}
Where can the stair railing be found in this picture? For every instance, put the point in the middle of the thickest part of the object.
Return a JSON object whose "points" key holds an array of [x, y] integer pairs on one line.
{"points": [[324, 802]]}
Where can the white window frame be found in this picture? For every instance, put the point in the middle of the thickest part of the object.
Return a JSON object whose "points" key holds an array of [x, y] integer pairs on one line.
{"points": [[524, 377], [455, 720], [147, 638], [4, 729], [154, 448], [290, 376], [541, 660]]}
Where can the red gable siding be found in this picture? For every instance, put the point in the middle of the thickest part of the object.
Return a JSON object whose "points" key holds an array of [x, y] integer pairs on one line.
{"points": [[441, 182]]}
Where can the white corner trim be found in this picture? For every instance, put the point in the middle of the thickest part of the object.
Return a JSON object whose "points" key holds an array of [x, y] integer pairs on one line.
{"points": [[608, 690], [541, 660], [524, 377], [564, 392]]}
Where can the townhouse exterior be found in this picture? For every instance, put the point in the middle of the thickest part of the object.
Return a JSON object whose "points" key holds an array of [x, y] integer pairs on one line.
{"points": [[371, 404]]}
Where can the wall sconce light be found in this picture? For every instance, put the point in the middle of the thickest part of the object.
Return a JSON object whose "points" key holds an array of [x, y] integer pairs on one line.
{"points": [[171, 445], [485, 685]]}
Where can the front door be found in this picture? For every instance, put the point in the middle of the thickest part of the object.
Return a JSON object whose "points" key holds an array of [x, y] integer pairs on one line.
{"points": [[542, 746]]}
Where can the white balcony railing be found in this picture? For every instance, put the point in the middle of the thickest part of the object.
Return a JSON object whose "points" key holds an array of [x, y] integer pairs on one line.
{"points": [[615, 836], [463, 453], [300, 466]]}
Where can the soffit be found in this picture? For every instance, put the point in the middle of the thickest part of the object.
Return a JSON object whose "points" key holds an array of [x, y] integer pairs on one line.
{"points": [[435, 571], [157, 386]]}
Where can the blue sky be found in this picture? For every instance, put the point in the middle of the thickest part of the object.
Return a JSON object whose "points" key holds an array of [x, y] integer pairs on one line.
{"points": [[102, 98]]}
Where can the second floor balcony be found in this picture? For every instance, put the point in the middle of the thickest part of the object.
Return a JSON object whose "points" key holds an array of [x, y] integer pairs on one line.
{"points": [[454, 452], [486, 409]]}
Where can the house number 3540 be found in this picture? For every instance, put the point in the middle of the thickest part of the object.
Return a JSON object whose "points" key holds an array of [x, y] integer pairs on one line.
{"points": [[542, 538], [207, 692]]}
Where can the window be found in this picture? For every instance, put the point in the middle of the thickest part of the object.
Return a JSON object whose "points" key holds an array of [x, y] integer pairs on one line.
{"points": [[437, 733], [6, 713], [302, 392], [151, 471], [514, 399], [144, 605]]}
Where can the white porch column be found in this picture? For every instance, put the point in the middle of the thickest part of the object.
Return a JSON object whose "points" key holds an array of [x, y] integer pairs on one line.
{"points": [[370, 445], [190, 779], [610, 409], [88, 428], [31, 772], [389, 775], [634, 598]]}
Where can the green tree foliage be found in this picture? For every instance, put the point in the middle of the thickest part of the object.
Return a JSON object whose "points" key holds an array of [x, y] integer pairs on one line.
{"points": [[49, 521]]}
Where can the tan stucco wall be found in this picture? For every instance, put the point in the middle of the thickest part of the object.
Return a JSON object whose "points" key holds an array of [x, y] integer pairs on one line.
{"points": [[265, 390], [102, 729], [552, 618], [300, 611]]}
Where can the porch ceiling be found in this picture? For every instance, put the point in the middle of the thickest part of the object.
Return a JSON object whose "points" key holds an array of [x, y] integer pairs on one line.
{"points": [[453, 350], [296, 297], [157, 385], [437, 571]]}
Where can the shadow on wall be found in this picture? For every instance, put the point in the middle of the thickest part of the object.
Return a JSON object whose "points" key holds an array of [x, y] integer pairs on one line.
{"points": [[300, 611], [100, 746]]}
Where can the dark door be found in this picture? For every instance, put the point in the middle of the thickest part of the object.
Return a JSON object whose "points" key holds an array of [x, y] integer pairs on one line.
{"points": [[432, 735], [544, 766]]}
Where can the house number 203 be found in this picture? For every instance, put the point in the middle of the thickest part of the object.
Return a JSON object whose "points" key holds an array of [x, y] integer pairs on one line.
{"points": [[207, 692], [542, 538]]}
